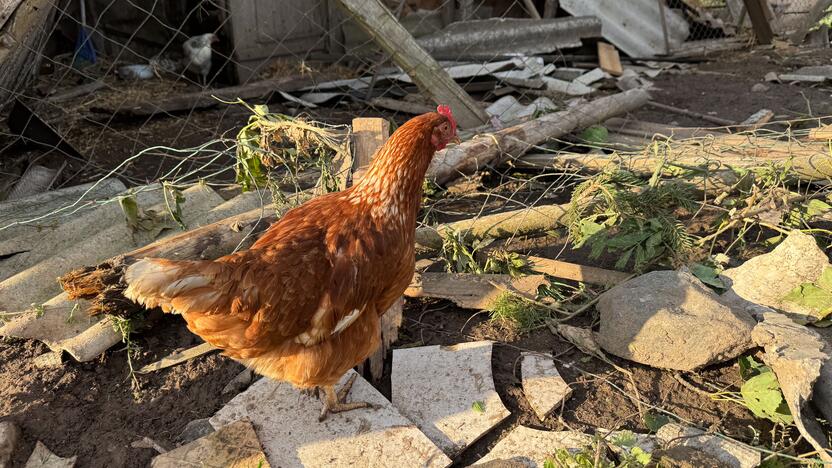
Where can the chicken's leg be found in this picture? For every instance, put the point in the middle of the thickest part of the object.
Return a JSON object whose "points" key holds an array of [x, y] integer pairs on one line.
{"points": [[334, 402]]}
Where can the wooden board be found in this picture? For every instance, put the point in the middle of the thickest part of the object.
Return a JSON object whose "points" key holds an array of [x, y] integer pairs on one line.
{"points": [[369, 134], [759, 20], [609, 59], [432, 79]]}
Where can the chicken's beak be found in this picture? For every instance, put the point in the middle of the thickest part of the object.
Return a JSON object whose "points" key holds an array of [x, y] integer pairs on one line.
{"points": [[455, 140]]}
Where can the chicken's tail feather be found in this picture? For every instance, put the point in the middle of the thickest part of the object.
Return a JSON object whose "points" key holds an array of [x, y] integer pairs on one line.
{"points": [[171, 285]]}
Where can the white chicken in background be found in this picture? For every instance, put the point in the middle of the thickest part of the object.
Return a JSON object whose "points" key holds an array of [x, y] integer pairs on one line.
{"points": [[197, 57]]}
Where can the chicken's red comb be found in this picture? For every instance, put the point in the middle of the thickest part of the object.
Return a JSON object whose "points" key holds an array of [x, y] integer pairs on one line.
{"points": [[446, 111]]}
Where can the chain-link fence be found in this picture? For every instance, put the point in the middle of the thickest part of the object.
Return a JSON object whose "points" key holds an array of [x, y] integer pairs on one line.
{"points": [[94, 82]]}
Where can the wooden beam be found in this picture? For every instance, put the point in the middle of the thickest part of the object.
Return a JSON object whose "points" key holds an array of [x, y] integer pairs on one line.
{"points": [[550, 8], [369, 134], [609, 60], [432, 79], [757, 13]]}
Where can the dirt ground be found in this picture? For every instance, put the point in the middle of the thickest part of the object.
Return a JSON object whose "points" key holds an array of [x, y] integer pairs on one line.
{"points": [[90, 410]]}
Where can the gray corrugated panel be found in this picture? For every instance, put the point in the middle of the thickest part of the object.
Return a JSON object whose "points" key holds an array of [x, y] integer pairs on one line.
{"points": [[24, 251], [633, 26], [25, 209], [509, 36], [37, 283]]}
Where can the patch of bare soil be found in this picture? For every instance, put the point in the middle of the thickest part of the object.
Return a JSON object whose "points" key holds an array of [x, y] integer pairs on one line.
{"points": [[89, 409]]}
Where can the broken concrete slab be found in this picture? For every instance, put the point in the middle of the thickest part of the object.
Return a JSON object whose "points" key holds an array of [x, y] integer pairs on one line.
{"points": [[29, 215], [287, 424], [448, 391], [571, 88], [731, 453], [9, 440], [494, 37], [669, 319], [635, 26], [543, 386], [37, 284], [234, 446], [508, 109], [533, 447], [766, 279], [590, 77], [42, 457], [796, 354]]}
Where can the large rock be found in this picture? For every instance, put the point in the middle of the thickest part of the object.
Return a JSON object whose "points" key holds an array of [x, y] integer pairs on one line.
{"points": [[669, 319], [796, 354], [767, 279]]}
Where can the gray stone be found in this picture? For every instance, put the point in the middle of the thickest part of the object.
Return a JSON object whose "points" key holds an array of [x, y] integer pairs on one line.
{"points": [[42, 457], [767, 278], [543, 386], [771, 77], [287, 424], [9, 438], [532, 447], [195, 429], [669, 319], [796, 354], [239, 383], [448, 391], [729, 452], [759, 88], [48, 360]]}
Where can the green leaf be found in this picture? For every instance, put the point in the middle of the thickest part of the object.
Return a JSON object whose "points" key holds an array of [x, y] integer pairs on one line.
{"points": [[131, 210], [813, 297], [621, 263], [816, 208], [640, 455], [763, 397], [749, 367], [595, 134], [654, 421], [707, 274], [478, 406], [822, 323], [549, 463]]}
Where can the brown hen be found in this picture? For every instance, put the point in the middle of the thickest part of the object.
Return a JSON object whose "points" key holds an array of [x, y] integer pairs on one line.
{"points": [[303, 305]]}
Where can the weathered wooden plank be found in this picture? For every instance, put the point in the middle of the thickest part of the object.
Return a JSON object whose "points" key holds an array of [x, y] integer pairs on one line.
{"points": [[434, 81], [369, 134], [762, 28], [25, 34], [473, 155]]}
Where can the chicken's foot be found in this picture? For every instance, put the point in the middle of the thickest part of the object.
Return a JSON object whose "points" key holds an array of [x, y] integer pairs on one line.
{"points": [[334, 402]]}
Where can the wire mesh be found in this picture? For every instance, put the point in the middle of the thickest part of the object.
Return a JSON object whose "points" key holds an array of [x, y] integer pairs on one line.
{"points": [[111, 80]]}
